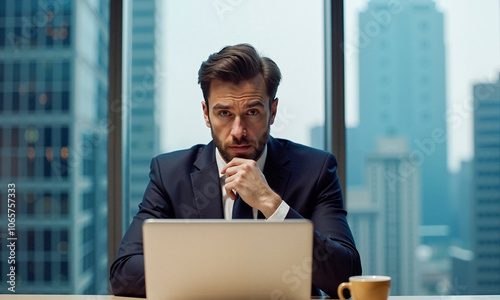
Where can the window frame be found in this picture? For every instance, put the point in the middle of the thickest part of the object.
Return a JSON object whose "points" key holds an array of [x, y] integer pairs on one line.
{"points": [[115, 125]]}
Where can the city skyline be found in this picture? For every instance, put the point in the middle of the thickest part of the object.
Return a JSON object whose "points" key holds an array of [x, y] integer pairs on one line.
{"points": [[460, 262], [463, 66], [397, 179], [403, 95]]}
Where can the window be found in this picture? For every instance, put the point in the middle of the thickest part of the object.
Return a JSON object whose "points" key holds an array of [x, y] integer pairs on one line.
{"points": [[167, 46], [423, 115], [52, 85]]}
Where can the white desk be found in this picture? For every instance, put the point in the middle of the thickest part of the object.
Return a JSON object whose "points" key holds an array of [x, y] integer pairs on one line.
{"points": [[106, 297]]}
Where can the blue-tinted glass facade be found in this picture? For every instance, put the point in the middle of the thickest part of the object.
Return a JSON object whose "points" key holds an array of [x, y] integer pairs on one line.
{"points": [[144, 91], [54, 141], [485, 271]]}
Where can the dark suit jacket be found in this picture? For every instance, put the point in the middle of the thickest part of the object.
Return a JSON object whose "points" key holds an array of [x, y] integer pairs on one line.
{"points": [[185, 184]]}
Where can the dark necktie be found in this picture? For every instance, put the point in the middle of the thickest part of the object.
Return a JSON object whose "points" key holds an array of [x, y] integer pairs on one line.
{"points": [[241, 210]]}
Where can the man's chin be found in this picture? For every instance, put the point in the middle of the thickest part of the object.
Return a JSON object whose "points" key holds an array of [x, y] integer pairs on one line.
{"points": [[229, 155], [247, 156], [244, 155]]}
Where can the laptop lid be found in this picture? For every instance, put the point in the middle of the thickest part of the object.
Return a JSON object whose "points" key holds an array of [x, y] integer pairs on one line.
{"points": [[215, 259]]}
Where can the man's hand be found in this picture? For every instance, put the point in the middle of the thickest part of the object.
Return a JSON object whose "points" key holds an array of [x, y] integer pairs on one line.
{"points": [[244, 177]]}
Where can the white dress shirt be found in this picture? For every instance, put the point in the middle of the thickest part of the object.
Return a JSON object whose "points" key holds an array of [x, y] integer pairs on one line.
{"points": [[227, 203]]}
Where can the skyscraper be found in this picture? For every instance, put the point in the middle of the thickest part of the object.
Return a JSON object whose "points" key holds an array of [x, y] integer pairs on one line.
{"points": [[145, 91], [402, 94], [384, 217], [53, 141], [486, 212]]}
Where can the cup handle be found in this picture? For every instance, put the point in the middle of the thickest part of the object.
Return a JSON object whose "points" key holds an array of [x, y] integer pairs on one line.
{"points": [[340, 290]]}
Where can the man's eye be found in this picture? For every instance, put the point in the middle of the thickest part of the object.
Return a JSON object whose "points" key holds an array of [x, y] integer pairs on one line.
{"points": [[253, 112], [223, 113]]}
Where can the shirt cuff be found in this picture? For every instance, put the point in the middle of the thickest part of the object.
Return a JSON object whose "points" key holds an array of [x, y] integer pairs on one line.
{"points": [[280, 213]]}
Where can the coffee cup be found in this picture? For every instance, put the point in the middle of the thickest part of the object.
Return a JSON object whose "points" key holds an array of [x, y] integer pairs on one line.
{"points": [[366, 287]]}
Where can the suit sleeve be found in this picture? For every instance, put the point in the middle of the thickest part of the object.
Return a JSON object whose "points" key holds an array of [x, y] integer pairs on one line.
{"points": [[335, 257], [127, 271]]}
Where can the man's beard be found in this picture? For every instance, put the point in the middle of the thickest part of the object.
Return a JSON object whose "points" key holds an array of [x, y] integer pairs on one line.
{"points": [[261, 145]]}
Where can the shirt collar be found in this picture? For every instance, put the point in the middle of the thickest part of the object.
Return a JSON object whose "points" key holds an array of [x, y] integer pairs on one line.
{"points": [[221, 163]]}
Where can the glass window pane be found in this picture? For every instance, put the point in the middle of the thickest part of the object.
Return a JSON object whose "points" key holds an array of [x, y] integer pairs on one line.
{"points": [[299, 52], [423, 149], [50, 113], [170, 40]]}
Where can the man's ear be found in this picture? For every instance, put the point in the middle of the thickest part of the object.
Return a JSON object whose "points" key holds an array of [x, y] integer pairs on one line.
{"points": [[274, 110], [205, 113]]}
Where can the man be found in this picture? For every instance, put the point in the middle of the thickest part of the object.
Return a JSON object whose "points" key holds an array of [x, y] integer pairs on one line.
{"points": [[244, 167]]}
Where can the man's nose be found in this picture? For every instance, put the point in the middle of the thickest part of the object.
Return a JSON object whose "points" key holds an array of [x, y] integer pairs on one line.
{"points": [[238, 130]]}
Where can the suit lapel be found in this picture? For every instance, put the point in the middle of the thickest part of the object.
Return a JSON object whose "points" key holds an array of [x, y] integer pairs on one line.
{"points": [[275, 169], [206, 185]]}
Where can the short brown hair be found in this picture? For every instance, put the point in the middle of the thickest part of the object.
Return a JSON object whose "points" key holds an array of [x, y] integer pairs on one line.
{"points": [[238, 63]]}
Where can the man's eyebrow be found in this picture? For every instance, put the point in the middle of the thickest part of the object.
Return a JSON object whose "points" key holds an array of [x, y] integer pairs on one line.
{"points": [[221, 106], [254, 103], [249, 104]]}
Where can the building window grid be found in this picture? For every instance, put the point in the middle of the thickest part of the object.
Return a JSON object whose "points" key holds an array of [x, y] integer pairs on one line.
{"points": [[42, 260], [44, 204], [23, 86], [45, 27], [39, 92], [23, 158], [87, 245]]}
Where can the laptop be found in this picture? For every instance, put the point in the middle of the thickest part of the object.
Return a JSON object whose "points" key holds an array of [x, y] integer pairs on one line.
{"points": [[216, 259]]}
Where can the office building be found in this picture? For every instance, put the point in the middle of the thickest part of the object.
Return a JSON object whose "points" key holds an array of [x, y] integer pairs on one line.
{"points": [[486, 211], [460, 254], [402, 94], [384, 217], [145, 93], [53, 143], [460, 282], [462, 204]]}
